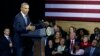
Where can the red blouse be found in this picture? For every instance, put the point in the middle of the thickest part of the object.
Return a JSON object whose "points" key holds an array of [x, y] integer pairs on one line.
{"points": [[85, 45]]}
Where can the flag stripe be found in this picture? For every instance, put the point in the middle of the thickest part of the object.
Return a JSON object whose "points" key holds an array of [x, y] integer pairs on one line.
{"points": [[73, 10], [80, 10], [74, 19], [70, 14], [72, 6], [73, 2]]}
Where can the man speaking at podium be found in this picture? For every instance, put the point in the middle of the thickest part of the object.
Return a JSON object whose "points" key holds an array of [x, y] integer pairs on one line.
{"points": [[22, 24]]}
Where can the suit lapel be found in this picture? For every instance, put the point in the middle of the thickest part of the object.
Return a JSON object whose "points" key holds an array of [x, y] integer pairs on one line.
{"points": [[6, 40], [94, 53], [23, 21], [28, 20]]}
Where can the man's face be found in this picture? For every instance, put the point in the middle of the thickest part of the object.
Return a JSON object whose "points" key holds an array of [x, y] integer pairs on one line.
{"points": [[96, 31], [25, 9], [7, 32], [72, 36], [94, 43]]}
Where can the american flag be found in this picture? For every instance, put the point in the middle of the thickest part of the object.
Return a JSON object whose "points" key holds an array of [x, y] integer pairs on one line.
{"points": [[73, 10]]}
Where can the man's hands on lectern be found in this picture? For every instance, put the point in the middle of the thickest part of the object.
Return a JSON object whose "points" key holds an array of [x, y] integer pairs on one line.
{"points": [[30, 27]]}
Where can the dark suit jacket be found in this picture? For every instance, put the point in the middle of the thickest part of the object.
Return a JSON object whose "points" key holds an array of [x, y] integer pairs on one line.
{"points": [[68, 42], [19, 23], [5, 50], [19, 28], [95, 53]]}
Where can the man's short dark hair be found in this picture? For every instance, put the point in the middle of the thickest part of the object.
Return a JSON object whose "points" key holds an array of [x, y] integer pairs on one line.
{"points": [[24, 3]]}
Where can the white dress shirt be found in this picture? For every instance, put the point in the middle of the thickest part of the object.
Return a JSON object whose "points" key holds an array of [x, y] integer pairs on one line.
{"points": [[7, 37], [71, 42]]}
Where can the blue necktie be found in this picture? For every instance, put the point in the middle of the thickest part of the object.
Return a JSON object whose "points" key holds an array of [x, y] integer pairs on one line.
{"points": [[25, 19]]}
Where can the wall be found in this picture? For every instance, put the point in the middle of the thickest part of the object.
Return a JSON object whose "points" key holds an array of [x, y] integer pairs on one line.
{"points": [[87, 25]]}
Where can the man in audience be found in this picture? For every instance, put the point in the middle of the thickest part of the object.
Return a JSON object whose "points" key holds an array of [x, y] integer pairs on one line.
{"points": [[71, 43], [93, 50], [95, 35], [6, 44]]}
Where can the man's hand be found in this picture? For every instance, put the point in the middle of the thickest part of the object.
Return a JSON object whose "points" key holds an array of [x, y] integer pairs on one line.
{"points": [[30, 27]]}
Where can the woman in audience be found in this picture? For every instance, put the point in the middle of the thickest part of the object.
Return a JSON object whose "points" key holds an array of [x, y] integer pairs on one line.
{"points": [[57, 39], [58, 28], [72, 30], [81, 32], [49, 48], [61, 49], [85, 42], [78, 51]]}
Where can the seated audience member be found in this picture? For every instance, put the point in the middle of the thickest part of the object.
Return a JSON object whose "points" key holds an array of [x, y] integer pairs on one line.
{"points": [[72, 39], [92, 50], [98, 44], [81, 32], [77, 51], [6, 43], [95, 35], [85, 42], [57, 39], [61, 49], [49, 48], [72, 30], [58, 28]]}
